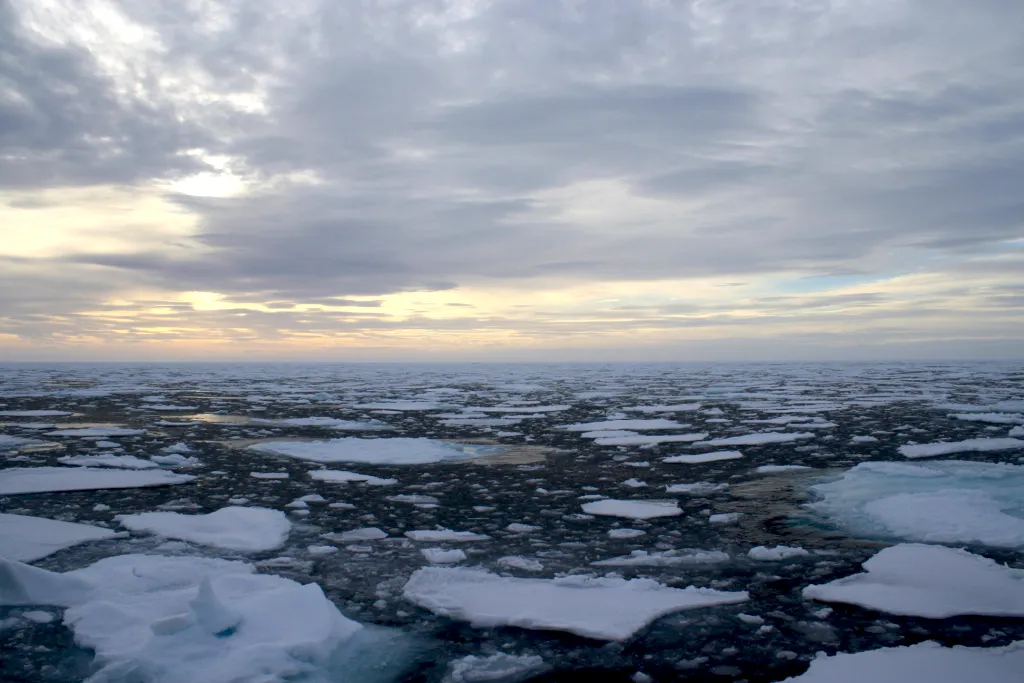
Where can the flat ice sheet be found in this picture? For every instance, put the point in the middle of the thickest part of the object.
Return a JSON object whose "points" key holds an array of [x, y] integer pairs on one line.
{"points": [[650, 439], [603, 608], [46, 479], [926, 662], [758, 439], [633, 509], [930, 581], [938, 502], [930, 450], [344, 477], [697, 458], [98, 431], [243, 529], [126, 462], [27, 539], [398, 451]]}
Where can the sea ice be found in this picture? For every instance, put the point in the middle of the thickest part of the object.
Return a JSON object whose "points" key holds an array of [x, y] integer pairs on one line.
{"points": [[698, 458], [333, 423], [938, 502], [127, 462], [27, 539], [45, 479], [243, 529], [778, 469], [930, 450], [667, 558], [445, 535], [700, 488], [13, 443], [929, 581], [601, 608], [98, 431], [398, 451], [635, 425], [649, 439], [496, 668], [343, 476], [443, 555], [33, 413], [757, 439], [633, 509], [779, 552]]}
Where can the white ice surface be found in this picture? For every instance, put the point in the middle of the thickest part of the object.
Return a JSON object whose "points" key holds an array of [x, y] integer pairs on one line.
{"points": [[757, 439], [333, 423], [126, 462], [43, 479], [649, 439], [602, 608], [444, 535], [190, 620], [27, 539], [699, 488], [667, 558], [697, 458], [443, 555], [929, 581], [930, 450], [775, 553], [33, 413], [398, 451], [97, 431], [496, 668], [635, 425], [938, 502], [243, 529], [926, 662], [633, 509], [343, 476]]}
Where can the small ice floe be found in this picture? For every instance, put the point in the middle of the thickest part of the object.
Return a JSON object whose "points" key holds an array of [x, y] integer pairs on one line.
{"points": [[334, 423], [650, 439], [176, 460], [343, 476], [929, 581], [930, 450], [927, 661], [633, 509], [697, 458], [775, 553], [242, 529], [397, 451], [634, 484], [667, 558], [991, 418], [34, 413], [17, 443], [699, 488], [27, 539], [525, 564], [673, 408], [184, 619], [168, 407], [443, 555], [779, 469], [52, 479], [757, 439], [496, 668], [951, 501], [634, 425], [725, 518], [611, 609], [414, 499], [321, 550], [98, 431], [269, 475], [521, 409], [517, 528], [445, 536], [625, 533], [405, 406], [127, 462], [864, 439], [370, 533]]}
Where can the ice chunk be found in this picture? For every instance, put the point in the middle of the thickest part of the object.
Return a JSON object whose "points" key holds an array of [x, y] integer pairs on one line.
{"points": [[33, 413], [519, 562], [22, 584], [930, 450], [991, 418], [699, 488], [602, 608], [778, 469], [213, 615], [27, 539], [127, 462], [398, 451], [98, 431], [625, 533], [940, 502], [725, 518], [244, 529], [443, 556], [43, 479], [635, 425], [926, 661], [773, 554], [445, 535], [633, 509], [698, 458], [496, 668], [929, 581], [647, 440], [667, 558], [344, 476], [333, 423], [366, 534], [758, 439]]}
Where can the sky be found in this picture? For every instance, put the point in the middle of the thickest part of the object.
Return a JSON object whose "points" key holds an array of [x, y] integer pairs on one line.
{"points": [[511, 180]]}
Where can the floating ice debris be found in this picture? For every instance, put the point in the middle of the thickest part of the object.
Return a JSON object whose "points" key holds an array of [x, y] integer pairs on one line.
{"points": [[633, 509], [243, 529], [13, 443], [445, 535], [525, 410], [127, 462], [518, 528], [725, 518], [443, 555], [673, 408], [601, 608], [864, 439], [1017, 431], [608, 434], [518, 562], [776, 553], [496, 668], [343, 476], [625, 533], [176, 460], [398, 451], [34, 413], [27, 539], [929, 450], [45, 479], [321, 550], [269, 475], [700, 488], [184, 619], [667, 558], [927, 661], [650, 439], [167, 407], [778, 469], [929, 581], [991, 418], [698, 458], [635, 425], [938, 502], [413, 498], [403, 406], [333, 423], [98, 431], [366, 534], [757, 439]]}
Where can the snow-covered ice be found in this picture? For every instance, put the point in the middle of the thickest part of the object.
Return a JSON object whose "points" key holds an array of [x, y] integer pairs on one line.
{"points": [[443, 555], [633, 509], [496, 668], [649, 439], [665, 558], [775, 553], [343, 476], [929, 581], [98, 431], [930, 450], [27, 539], [757, 439], [445, 535], [397, 451], [602, 608], [44, 479], [697, 458], [242, 529], [127, 462]]}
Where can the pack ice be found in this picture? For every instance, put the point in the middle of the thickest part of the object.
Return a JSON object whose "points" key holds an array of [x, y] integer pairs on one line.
{"points": [[940, 502], [189, 619], [398, 451]]}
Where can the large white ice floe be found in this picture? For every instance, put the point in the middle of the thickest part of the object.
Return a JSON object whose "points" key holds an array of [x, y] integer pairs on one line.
{"points": [[45, 479], [27, 539], [633, 509], [938, 502], [185, 619], [602, 608], [930, 450], [926, 661], [13, 443], [243, 529], [757, 439], [398, 451], [930, 581]]}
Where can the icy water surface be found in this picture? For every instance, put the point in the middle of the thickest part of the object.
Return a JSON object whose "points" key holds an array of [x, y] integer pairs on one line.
{"points": [[513, 463]]}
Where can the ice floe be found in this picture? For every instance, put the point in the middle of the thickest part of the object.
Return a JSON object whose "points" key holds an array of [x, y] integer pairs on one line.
{"points": [[635, 425], [496, 668], [98, 431], [398, 451], [242, 529], [445, 535], [633, 509], [930, 450], [47, 479], [757, 439], [649, 439], [127, 462], [665, 558], [602, 608], [697, 458], [343, 476], [776, 553], [27, 539], [929, 581]]}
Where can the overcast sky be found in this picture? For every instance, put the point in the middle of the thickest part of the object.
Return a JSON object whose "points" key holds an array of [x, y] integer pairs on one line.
{"points": [[511, 179]]}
